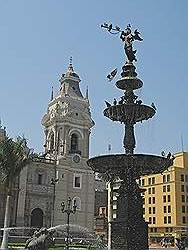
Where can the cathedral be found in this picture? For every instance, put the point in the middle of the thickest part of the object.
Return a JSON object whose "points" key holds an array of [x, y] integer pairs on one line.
{"points": [[61, 171]]}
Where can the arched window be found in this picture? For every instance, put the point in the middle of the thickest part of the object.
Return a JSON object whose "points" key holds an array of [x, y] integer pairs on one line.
{"points": [[74, 142], [37, 218], [77, 201]]}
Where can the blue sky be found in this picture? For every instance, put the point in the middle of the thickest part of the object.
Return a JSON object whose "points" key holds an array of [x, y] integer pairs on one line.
{"points": [[39, 36]]}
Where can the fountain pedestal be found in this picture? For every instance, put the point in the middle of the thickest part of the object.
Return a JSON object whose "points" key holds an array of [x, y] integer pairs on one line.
{"points": [[129, 231], [124, 236]]}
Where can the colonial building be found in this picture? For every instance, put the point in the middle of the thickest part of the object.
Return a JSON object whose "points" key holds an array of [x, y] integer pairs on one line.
{"points": [[61, 172], [165, 200]]}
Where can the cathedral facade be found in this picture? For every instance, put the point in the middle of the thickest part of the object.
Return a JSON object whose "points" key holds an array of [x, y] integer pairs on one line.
{"points": [[61, 172]]}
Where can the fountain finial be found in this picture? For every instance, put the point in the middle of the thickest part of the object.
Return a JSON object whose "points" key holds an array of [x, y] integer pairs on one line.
{"points": [[127, 37]]}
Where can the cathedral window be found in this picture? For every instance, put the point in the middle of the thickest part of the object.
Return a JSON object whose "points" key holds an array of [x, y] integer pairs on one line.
{"points": [[77, 201], [77, 182], [74, 142], [39, 182]]}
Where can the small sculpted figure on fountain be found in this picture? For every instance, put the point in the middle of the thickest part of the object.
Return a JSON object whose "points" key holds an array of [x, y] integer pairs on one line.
{"points": [[127, 38], [40, 240]]}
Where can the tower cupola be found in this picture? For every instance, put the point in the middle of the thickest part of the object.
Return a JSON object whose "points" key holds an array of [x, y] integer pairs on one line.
{"points": [[70, 82]]}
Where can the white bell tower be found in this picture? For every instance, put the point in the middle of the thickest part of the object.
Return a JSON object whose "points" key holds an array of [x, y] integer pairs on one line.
{"points": [[67, 125]]}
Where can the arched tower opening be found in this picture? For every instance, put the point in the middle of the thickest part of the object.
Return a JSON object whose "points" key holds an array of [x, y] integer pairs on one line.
{"points": [[74, 143]]}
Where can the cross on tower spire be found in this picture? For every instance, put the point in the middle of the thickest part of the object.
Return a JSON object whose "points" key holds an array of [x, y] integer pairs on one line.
{"points": [[70, 67]]}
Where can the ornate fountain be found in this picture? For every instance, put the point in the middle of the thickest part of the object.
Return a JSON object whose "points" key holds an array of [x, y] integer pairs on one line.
{"points": [[128, 230]]}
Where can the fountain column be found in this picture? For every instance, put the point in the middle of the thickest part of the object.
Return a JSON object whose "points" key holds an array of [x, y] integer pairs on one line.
{"points": [[129, 141]]}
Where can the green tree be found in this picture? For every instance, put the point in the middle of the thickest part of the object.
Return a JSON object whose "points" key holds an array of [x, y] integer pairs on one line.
{"points": [[14, 156]]}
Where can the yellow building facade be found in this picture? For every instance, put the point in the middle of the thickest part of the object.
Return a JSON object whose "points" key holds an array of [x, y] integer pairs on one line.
{"points": [[165, 200]]}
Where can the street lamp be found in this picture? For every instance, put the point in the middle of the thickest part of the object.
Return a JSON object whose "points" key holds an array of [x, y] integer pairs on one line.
{"points": [[69, 210], [53, 182]]}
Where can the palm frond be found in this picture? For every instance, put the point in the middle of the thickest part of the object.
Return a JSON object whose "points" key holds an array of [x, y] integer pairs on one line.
{"points": [[14, 156]]}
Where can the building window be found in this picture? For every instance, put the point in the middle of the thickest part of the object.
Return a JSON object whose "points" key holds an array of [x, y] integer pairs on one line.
{"points": [[168, 178], [183, 209], [187, 198], [143, 182], [151, 230], [155, 229], [164, 188], [165, 220], [164, 198], [150, 220], [77, 182], [154, 220], [183, 198], [166, 229], [183, 219], [149, 210], [153, 200], [169, 209], [74, 143], [149, 190], [153, 210], [153, 190], [143, 200], [153, 180], [186, 189], [164, 178], [39, 182], [168, 188], [182, 188], [77, 201], [169, 198], [164, 209], [182, 177], [149, 181], [149, 200], [143, 210]]}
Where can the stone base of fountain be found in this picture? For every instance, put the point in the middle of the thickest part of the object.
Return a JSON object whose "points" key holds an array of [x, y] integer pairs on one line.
{"points": [[129, 231], [129, 237]]}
